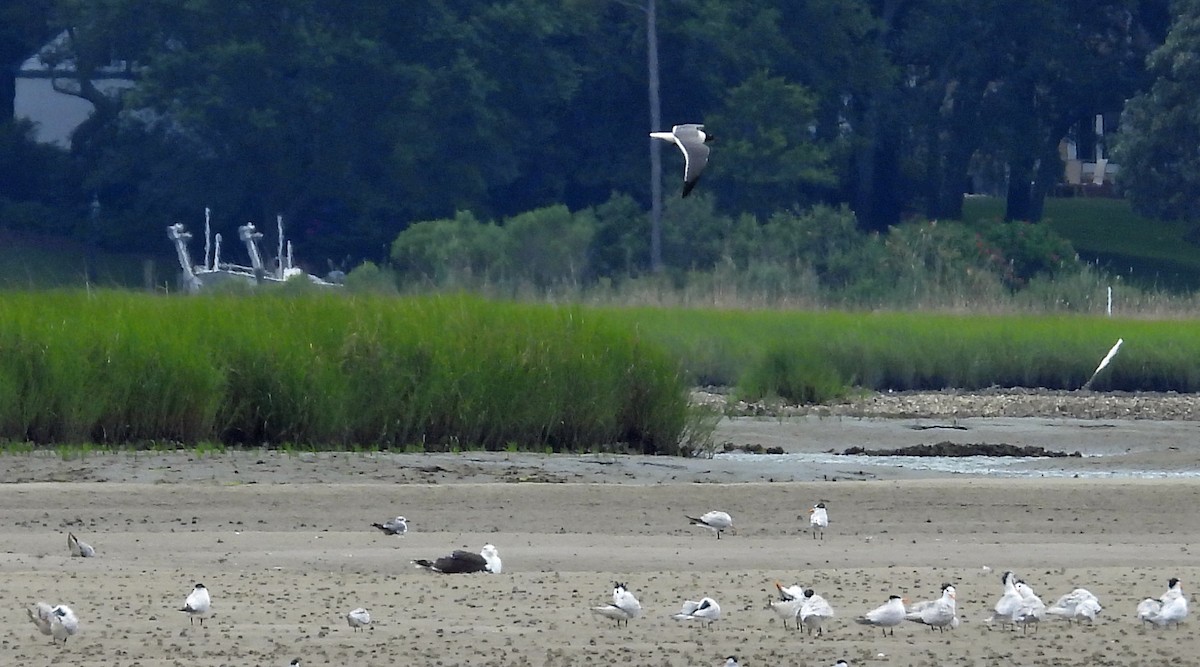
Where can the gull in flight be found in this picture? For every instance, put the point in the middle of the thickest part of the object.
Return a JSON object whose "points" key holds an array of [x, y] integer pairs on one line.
{"points": [[787, 605], [888, 615], [940, 613], [1172, 607], [814, 612], [358, 619], [197, 605], [692, 140], [1031, 610], [1009, 602], [715, 521], [1077, 605], [465, 562], [624, 605], [706, 611], [58, 621], [397, 526], [818, 520], [79, 549]]}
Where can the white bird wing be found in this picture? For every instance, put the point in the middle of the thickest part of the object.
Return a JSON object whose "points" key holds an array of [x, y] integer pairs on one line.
{"points": [[197, 601], [816, 606], [1148, 609], [40, 615], [611, 611], [625, 601], [794, 592], [63, 622], [689, 607]]}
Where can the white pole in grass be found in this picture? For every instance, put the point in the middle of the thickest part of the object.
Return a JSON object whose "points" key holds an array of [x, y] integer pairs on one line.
{"points": [[1109, 310], [279, 253], [207, 236], [1104, 362]]}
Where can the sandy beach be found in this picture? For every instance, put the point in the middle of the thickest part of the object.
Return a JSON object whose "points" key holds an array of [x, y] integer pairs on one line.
{"points": [[283, 543]]}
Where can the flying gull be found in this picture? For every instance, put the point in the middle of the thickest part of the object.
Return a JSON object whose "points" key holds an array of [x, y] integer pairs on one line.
{"points": [[465, 562], [714, 521], [397, 526], [78, 548], [625, 605], [358, 618], [692, 140], [197, 604]]}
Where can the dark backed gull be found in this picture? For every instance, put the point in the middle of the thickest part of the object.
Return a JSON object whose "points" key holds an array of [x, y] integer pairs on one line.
{"points": [[692, 140]]}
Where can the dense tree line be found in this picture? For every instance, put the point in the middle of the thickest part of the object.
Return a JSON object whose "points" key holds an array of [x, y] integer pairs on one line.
{"points": [[356, 120]]}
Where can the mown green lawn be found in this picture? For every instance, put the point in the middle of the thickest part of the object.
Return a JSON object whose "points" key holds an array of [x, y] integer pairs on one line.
{"points": [[1148, 252]]}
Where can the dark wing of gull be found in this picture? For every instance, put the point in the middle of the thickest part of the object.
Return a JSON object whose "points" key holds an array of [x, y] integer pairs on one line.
{"points": [[459, 562], [690, 139]]}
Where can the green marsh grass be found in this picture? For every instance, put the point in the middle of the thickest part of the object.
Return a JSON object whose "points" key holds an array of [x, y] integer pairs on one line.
{"points": [[319, 371], [814, 356]]}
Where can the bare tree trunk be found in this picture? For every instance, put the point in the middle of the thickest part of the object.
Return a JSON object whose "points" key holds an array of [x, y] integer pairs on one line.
{"points": [[655, 146]]}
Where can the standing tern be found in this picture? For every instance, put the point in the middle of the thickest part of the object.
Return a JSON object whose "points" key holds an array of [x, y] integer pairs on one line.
{"points": [[625, 605], [197, 605], [818, 520], [888, 615], [940, 613], [814, 612]]}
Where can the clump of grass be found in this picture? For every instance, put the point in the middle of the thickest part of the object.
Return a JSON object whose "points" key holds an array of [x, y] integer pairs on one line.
{"points": [[317, 372]]}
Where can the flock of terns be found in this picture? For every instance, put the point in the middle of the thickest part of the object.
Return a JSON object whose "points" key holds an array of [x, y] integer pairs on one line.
{"points": [[1018, 604]]}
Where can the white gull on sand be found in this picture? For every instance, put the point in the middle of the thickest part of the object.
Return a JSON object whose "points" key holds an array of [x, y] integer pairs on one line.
{"points": [[465, 562], [715, 521], [79, 548], [358, 619], [396, 526]]}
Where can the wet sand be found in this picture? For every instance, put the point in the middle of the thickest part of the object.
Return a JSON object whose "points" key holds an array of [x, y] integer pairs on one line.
{"points": [[283, 543]]}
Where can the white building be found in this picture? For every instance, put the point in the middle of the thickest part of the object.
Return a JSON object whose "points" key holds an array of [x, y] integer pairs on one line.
{"points": [[56, 114]]}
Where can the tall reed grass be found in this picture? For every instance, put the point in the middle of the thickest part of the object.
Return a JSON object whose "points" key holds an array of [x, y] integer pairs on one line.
{"points": [[438, 372], [813, 356]]}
